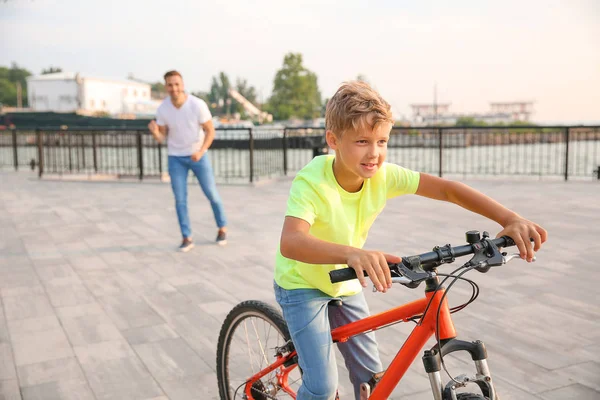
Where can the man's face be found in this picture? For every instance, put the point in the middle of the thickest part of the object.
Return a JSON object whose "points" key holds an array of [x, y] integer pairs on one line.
{"points": [[174, 85]]}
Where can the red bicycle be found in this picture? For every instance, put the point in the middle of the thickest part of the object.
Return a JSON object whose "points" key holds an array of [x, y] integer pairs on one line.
{"points": [[256, 358]]}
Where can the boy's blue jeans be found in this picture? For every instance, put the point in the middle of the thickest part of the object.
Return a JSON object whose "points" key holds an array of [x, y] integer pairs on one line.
{"points": [[310, 319], [178, 171]]}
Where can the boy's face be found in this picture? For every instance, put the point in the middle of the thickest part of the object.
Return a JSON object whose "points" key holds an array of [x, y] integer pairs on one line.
{"points": [[360, 153]]}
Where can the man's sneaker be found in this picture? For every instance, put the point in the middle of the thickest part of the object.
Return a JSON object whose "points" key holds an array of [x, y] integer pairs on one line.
{"points": [[186, 245], [222, 238]]}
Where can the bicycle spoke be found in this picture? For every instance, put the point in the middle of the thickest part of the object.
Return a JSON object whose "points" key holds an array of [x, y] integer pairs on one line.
{"points": [[250, 352], [253, 340], [262, 350]]}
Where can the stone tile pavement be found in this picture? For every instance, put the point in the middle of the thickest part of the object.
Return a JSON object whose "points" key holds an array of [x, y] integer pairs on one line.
{"points": [[97, 304]]}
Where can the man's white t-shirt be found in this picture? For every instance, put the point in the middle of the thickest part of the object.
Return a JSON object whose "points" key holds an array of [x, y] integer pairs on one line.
{"points": [[185, 135]]}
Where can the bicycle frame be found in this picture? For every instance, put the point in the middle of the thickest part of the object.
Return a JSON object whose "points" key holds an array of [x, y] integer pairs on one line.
{"points": [[405, 357]]}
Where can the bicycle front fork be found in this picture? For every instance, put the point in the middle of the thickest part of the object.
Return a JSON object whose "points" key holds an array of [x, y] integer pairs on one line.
{"points": [[482, 378]]}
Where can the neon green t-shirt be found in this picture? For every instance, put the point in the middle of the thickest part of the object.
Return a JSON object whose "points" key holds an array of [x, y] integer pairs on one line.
{"points": [[337, 216]]}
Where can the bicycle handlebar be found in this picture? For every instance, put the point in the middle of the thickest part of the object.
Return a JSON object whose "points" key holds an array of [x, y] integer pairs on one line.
{"points": [[428, 261]]}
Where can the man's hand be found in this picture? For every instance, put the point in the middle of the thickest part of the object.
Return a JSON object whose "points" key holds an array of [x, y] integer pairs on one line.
{"points": [[197, 155], [521, 231], [375, 263], [153, 127], [157, 131]]}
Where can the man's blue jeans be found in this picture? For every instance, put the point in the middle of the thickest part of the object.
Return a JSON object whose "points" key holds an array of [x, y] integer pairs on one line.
{"points": [[310, 318], [178, 171]]}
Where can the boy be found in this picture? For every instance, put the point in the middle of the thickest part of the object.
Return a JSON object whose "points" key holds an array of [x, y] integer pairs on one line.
{"points": [[332, 204]]}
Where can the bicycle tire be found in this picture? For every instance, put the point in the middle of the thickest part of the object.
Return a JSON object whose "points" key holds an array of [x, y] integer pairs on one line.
{"points": [[470, 396], [235, 318]]}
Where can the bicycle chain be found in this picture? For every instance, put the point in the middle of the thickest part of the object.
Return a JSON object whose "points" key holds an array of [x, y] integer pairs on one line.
{"points": [[263, 393], [337, 395]]}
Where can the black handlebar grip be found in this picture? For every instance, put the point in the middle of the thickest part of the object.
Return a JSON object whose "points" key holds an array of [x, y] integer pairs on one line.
{"points": [[508, 242], [341, 275]]}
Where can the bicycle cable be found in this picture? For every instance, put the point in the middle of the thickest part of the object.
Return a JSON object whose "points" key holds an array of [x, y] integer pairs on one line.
{"points": [[437, 321], [474, 295], [438, 287], [238, 388]]}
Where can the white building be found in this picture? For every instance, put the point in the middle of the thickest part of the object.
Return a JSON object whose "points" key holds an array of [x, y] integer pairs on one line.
{"points": [[518, 110], [74, 92], [500, 113]]}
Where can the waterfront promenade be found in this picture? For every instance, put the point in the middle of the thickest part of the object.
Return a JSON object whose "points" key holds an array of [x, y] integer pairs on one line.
{"points": [[97, 304]]}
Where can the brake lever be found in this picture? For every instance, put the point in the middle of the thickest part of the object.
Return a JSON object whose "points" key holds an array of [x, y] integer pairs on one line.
{"points": [[409, 272], [486, 257], [507, 258]]}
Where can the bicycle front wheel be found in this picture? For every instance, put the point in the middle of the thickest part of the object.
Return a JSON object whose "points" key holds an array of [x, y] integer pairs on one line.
{"points": [[470, 396], [247, 342]]}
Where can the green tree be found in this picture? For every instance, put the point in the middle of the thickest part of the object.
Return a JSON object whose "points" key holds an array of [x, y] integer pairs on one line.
{"points": [[324, 107], [522, 123], [469, 121], [219, 94], [219, 100], [202, 95], [362, 78], [248, 92], [295, 91], [13, 75], [51, 70], [8, 93], [158, 86], [158, 90]]}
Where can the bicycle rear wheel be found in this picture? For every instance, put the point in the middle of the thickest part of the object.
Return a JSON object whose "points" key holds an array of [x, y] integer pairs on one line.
{"points": [[247, 342]]}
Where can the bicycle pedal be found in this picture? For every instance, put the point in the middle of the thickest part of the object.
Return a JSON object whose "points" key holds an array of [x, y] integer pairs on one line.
{"points": [[365, 391]]}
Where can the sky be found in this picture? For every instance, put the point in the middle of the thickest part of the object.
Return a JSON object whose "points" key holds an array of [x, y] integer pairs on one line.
{"points": [[472, 52]]}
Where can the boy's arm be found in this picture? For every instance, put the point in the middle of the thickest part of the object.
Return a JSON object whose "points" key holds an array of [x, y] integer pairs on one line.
{"points": [[298, 244], [515, 226]]}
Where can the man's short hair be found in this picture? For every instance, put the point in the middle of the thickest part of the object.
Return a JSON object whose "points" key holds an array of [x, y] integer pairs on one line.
{"points": [[350, 106], [172, 73]]}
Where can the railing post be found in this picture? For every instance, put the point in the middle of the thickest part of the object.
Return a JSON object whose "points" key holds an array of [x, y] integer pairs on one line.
{"points": [[94, 154], [140, 155], [40, 144], [82, 140], [70, 155], [15, 152], [160, 171], [251, 155], [440, 151], [567, 131], [285, 147]]}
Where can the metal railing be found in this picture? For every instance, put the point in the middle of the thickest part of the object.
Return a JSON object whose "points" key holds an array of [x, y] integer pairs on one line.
{"points": [[254, 154]]}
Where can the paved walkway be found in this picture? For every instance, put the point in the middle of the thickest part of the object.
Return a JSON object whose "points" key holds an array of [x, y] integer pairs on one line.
{"points": [[96, 303]]}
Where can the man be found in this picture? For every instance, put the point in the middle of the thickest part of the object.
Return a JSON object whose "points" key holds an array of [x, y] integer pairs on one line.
{"points": [[187, 123]]}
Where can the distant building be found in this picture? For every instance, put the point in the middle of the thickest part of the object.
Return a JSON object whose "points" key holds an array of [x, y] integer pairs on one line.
{"points": [[439, 114], [518, 110], [74, 92], [430, 114]]}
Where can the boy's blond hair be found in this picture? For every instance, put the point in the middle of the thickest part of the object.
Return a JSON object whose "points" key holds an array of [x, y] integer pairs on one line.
{"points": [[352, 104]]}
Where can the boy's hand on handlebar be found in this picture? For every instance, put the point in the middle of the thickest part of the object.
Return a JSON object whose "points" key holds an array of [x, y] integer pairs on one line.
{"points": [[375, 264], [521, 231]]}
